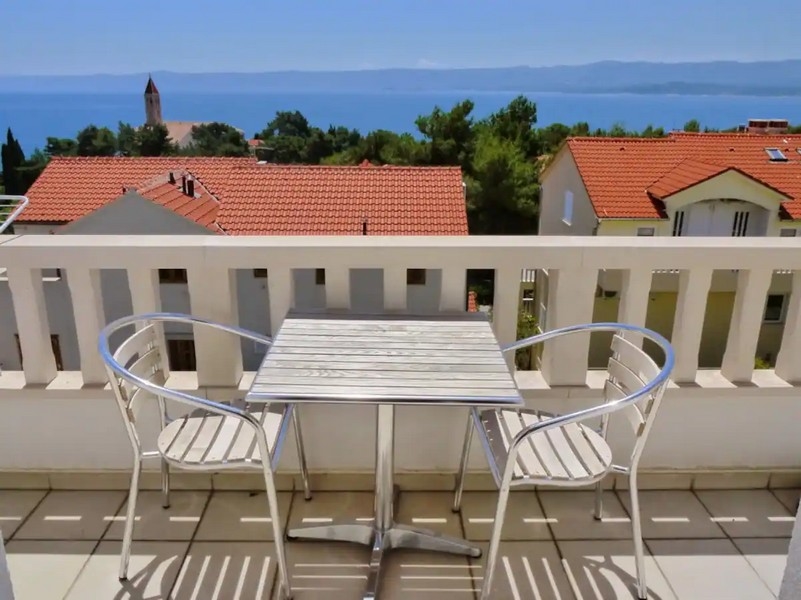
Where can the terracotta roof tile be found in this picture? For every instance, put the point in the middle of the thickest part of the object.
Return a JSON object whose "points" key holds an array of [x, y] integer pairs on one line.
{"points": [[625, 177], [264, 199]]}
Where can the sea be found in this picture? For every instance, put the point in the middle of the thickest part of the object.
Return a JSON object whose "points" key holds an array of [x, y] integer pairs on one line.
{"points": [[34, 117]]}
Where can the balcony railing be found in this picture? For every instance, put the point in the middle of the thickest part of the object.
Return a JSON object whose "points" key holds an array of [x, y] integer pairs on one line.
{"points": [[728, 418]]}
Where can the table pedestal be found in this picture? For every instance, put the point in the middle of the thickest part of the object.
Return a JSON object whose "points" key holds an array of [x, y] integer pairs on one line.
{"points": [[383, 534]]}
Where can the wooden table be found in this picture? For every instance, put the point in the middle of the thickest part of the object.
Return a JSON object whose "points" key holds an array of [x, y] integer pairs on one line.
{"points": [[397, 359]]}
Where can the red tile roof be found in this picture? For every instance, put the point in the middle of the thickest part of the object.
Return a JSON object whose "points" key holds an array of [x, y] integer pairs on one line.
{"points": [[264, 199], [626, 177], [202, 207]]}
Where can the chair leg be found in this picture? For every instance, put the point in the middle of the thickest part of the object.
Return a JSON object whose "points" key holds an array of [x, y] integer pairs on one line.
{"points": [[165, 484], [599, 501], [285, 588], [304, 470], [636, 527], [495, 543], [130, 519], [468, 437]]}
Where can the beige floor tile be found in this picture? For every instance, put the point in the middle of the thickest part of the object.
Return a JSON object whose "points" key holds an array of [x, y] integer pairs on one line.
{"points": [[748, 513], [429, 510], [222, 570], [674, 514], [242, 516], [329, 570], [15, 505], [44, 570], [153, 522], [789, 498], [330, 507], [408, 574], [768, 557], [607, 569], [525, 570], [698, 569], [71, 516], [151, 572], [572, 518], [524, 517]]}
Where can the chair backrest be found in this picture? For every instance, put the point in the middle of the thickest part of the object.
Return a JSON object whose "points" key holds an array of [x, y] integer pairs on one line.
{"points": [[138, 369], [144, 356], [630, 370], [636, 382]]}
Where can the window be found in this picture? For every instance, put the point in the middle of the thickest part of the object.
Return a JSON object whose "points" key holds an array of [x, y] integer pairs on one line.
{"points": [[787, 232], [567, 208], [319, 276], [415, 276], [646, 231], [181, 354], [172, 275], [774, 308], [776, 155], [678, 223], [55, 344], [740, 226], [260, 273]]}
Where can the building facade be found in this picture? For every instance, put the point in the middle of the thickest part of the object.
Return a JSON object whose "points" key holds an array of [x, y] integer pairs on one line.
{"points": [[706, 185], [180, 197]]}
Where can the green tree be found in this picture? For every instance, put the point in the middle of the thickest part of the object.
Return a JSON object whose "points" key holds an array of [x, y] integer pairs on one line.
{"points": [[126, 139], [692, 126], [94, 141], [31, 169], [61, 147], [154, 140], [503, 192], [217, 139], [11, 159], [516, 123], [618, 129], [449, 136], [552, 136]]}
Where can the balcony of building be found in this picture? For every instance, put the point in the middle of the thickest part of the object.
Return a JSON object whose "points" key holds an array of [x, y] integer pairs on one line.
{"points": [[724, 445]]}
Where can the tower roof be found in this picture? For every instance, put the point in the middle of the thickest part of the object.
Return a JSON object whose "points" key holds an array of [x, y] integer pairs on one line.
{"points": [[151, 87]]}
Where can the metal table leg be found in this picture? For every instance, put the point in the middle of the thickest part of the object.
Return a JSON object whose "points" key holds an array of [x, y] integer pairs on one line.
{"points": [[383, 534]]}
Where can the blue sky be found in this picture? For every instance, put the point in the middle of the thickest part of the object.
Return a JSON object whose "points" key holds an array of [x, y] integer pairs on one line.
{"points": [[134, 36]]}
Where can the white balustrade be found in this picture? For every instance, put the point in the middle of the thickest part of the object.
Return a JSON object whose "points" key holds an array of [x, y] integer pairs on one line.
{"points": [[572, 263]]}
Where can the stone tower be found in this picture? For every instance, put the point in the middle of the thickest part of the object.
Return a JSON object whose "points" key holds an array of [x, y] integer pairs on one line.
{"points": [[152, 104]]}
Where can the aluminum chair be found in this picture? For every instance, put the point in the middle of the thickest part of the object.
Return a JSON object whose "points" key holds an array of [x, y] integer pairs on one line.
{"points": [[212, 437], [527, 447]]}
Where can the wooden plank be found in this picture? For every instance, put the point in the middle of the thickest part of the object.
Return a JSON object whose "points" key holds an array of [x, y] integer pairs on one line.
{"points": [[443, 318], [389, 344], [371, 381], [466, 329], [319, 388], [389, 324], [394, 336], [386, 365], [355, 373], [391, 354]]}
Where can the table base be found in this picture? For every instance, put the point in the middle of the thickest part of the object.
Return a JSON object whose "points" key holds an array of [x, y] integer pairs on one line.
{"points": [[382, 542]]}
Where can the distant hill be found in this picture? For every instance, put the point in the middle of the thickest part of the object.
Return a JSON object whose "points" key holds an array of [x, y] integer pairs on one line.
{"points": [[723, 77]]}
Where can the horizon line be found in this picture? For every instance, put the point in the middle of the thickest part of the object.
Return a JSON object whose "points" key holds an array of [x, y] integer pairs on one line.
{"points": [[409, 68]]}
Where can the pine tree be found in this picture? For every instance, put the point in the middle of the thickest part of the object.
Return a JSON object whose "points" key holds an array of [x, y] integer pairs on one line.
{"points": [[12, 158]]}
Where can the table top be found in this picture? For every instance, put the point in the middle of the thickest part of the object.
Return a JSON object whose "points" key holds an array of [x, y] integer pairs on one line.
{"points": [[326, 357]]}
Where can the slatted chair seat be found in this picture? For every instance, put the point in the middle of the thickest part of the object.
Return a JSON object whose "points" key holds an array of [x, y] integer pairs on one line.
{"points": [[210, 437], [570, 455], [205, 439], [530, 447]]}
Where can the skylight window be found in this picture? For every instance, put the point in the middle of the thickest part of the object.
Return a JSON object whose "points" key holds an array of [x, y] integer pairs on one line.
{"points": [[776, 155]]}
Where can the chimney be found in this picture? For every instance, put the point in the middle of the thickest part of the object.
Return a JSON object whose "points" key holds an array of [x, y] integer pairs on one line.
{"points": [[183, 184], [190, 187], [172, 178], [364, 226]]}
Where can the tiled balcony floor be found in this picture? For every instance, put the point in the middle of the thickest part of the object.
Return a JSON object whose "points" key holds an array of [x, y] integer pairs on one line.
{"points": [[725, 545]]}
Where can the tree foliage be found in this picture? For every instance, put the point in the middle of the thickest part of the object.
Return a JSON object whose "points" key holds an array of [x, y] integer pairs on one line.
{"points": [[217, 139], [12, 159], [96, 141], [153, 140]]}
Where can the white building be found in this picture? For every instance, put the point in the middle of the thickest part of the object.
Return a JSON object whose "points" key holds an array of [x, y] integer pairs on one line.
{"points": [[218, 196]]}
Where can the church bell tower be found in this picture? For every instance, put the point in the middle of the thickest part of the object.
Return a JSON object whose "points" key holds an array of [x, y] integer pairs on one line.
{"points": [[152, 104]]}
